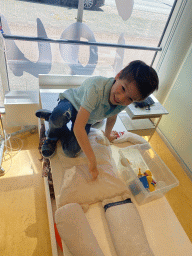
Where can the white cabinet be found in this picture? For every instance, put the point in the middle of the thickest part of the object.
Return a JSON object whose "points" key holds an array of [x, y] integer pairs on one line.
{"points": [[20, 108]]}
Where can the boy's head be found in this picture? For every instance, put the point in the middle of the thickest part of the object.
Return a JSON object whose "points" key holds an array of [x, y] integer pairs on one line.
{"points": [[134, 83]]}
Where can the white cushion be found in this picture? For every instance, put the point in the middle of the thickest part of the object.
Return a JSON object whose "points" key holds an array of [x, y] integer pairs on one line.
{"points": [[76, 232], [127, 230]]}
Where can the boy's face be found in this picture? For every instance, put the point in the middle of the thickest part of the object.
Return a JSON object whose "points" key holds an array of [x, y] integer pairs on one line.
{"points": [[123, 92]]}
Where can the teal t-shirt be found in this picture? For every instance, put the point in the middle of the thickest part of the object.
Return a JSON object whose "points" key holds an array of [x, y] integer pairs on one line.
{"points": [[93, 95]]}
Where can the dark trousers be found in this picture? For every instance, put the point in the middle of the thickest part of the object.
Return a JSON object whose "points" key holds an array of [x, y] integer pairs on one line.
{"points": [[62, 114]]}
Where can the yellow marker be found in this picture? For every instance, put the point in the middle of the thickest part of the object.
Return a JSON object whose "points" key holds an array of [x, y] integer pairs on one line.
{"points": [[151, 187], [148, 172]]}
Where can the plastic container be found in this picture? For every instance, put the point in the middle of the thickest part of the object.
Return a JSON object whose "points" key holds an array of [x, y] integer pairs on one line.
{"points": [[144, 157]]}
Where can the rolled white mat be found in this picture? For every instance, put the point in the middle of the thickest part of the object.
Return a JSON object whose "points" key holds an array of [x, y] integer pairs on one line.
{"points": [[127, 229], [76, 232]]}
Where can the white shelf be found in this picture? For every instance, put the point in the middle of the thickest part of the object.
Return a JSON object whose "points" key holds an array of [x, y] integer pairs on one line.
{"points": [[143, 127], [20, 107], [21, 97], [156, 110]]}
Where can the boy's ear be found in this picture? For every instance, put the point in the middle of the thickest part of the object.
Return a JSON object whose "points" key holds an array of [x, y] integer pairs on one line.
{"points": [[118, 75]]}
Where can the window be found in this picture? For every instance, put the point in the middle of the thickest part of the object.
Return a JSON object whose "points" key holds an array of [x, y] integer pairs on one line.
{"points": [[54, 20]]}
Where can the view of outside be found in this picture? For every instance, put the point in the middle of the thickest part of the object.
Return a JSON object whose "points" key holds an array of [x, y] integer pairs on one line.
{"points": [[144, 28]]}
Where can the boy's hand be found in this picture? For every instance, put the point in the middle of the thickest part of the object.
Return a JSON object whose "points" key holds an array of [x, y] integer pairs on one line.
{"points": [[112, 136], [93, 170]]}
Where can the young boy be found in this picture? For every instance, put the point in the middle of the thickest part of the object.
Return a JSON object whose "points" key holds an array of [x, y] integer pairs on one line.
{"points": [[96, 99]]}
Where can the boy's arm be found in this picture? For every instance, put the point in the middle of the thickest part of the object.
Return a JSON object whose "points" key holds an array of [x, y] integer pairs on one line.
{"points": [[108, 128], [82, 138]]}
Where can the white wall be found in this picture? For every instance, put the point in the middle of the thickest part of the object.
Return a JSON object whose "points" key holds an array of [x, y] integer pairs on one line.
{"points": [[175, 44], [177, 126], [3, 72], [173, 65]]}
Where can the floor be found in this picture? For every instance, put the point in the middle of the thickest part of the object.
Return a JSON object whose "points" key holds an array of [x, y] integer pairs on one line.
{"points": [[179, 197], [24, 222], [23, 213]]}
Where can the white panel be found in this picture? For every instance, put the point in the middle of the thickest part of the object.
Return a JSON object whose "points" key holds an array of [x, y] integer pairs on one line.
{"points": [[3, 72], [175, 44], [60, 81], [177, 126]]}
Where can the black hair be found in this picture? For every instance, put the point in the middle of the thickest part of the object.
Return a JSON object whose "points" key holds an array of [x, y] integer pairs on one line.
{"points": [[146, 77]]}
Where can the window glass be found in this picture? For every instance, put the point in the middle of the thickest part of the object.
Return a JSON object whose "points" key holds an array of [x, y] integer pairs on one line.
{"points": [[54, 19]]}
